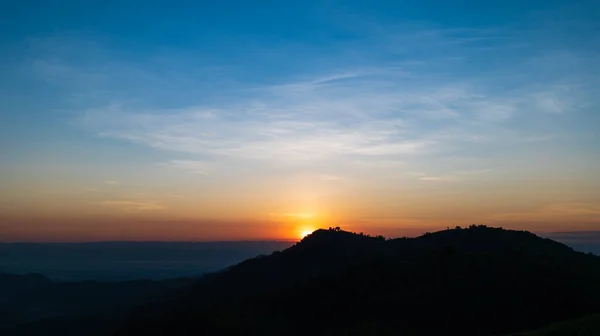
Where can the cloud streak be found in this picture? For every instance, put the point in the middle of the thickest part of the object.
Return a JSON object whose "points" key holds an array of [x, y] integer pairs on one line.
{"points": [[307, 121], [382, 109], [133, 206]]}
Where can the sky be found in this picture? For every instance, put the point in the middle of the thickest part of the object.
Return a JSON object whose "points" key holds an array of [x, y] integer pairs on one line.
{"points": [[246, 120]]}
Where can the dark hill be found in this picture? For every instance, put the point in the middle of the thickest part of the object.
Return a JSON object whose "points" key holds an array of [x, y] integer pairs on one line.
{"points": [[588, 325], [12, 285], [475, 281], [37, 306]]}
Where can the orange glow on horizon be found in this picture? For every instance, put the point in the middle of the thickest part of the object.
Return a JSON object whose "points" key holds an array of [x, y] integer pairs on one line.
{"points": [[305, 232]]}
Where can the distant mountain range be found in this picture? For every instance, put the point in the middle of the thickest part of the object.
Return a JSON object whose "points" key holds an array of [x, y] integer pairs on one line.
{"points": [[34, 305], [12, 285], [472, 281], [125, 261]]}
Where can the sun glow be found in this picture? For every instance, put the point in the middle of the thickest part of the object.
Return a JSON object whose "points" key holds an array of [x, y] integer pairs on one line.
{"points": [[305, 233]]}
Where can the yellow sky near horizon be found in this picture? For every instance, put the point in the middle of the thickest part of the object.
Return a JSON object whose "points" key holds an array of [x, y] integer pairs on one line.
{"points": [[117, 210]]}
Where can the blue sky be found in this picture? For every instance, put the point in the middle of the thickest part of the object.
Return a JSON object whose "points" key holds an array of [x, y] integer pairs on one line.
{"points": [[216, 102]]}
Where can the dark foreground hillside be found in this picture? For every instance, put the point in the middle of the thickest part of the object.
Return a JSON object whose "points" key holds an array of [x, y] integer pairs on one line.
{"points": [[588, 325], [34, 305], [476, 281]]}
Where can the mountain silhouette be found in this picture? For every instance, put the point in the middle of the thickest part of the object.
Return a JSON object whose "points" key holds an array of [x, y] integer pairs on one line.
{"points": [[12, 285], [34, 305], [473, 281]]}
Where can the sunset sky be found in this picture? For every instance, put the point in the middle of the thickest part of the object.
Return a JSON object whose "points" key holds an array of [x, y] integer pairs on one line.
{"points": [[234, 120]]}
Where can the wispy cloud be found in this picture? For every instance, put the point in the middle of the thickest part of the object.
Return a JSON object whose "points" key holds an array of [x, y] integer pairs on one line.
{"points": [[430, 178], [454, 176], [578, 212], [111, 182], [133, 206], [196, 167], [327, 177], [268, 132], [403, 103], [383, 119], [295, 215]]}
